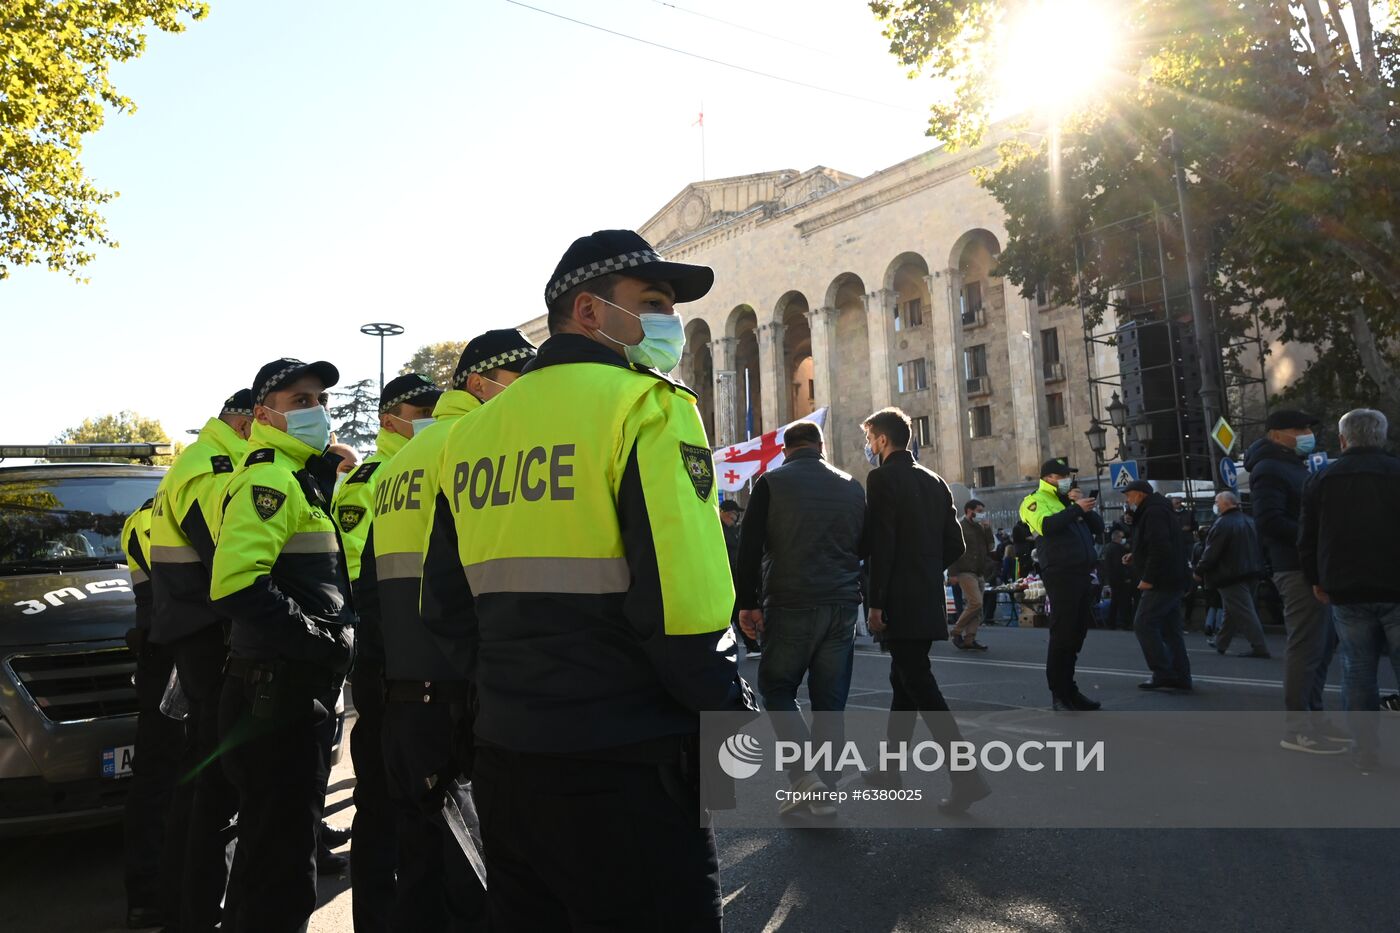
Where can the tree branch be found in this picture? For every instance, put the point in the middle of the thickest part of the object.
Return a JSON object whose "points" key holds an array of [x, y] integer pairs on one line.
{"points": [[1381, 372], [1365, 37]]}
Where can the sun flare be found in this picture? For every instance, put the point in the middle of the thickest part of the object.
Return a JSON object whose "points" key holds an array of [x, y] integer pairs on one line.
{"points": [[1057, 54]]}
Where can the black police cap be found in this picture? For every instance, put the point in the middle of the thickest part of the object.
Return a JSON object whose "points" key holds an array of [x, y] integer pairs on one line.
{"points": [[1059, 466], [496, 349], [413, 388], [625, 252], [239, 403], [287, 370], [1287, 418]]}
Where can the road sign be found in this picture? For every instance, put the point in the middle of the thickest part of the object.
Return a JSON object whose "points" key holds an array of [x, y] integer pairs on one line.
{"points": [[1121, 474], [1224, 436], [1228, 474], [1317, 461]]}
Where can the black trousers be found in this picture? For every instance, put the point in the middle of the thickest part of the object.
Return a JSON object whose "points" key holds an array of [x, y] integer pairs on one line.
{"points": [[916, 693], [151, 878], [1120, 604], [280, 766], [437, 888], [205, 799], [594, 846], [373, 847], [1071, 612]]}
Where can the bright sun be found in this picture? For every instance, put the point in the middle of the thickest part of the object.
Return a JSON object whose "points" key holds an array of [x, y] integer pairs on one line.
{"points": [[1057, 54]]}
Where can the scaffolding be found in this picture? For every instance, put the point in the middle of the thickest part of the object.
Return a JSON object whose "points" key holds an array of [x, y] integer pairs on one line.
{"points": [[1135, 304]]}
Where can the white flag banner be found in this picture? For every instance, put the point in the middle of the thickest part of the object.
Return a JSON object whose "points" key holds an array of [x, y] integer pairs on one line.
{"points": [[739, 463]]}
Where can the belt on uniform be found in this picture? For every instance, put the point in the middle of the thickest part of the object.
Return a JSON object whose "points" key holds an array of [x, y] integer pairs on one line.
{"points": [[293, 672], [426, 691]]}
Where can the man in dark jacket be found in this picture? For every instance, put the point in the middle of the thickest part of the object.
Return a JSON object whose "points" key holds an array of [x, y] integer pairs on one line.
{"points": [[970, 571], [913, 535], [798, 587], [1276, 477], [1160, 557], [1120, 606], [1066, 529], [1347, 508], [1232, 564]]}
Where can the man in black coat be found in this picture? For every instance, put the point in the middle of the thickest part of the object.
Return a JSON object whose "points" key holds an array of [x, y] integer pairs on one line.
{"points": [[913, 536], [1231, 564], [1160, 557]]}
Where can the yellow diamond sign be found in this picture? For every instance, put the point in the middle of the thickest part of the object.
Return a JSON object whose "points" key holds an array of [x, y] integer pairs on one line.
{"points": [[1223, 435]]}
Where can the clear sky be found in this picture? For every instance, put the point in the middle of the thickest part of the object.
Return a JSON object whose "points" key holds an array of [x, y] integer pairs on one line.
{"points": [[295, 170]]}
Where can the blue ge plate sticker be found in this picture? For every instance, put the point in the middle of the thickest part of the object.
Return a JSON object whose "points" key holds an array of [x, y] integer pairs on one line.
{"points": [[116, 762]]}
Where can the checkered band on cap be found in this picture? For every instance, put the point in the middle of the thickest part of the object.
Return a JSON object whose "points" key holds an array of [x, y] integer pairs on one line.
{"points": [[580, 275], [494, 362], [426, 388], [272, 384], [231, 409]]}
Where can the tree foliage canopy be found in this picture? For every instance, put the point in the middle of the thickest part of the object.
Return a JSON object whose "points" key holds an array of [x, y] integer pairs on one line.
{"points": [[55, 59], [437, 361], [124, 427], [356, 417], [1289, 126]]}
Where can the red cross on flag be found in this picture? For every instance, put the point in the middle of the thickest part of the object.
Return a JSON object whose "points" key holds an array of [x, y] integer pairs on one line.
{"points": [[740, 463]]}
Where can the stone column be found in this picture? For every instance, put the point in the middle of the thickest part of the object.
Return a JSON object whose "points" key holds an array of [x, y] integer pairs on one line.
{"points": [[951, 388], [1027, 386], [879, 312], [822, 322], [777, 404], [722, 351]]}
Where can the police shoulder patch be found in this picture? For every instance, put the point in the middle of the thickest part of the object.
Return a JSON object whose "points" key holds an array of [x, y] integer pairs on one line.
{"points": [[267, 501], [700, 467], [1031, 507], [221, 463], [363, 474], [350, 516], [261, 455]]}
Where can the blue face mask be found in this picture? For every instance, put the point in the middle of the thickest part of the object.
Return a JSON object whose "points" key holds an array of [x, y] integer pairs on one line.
{"points": [[1305, 444], [663, 340], [871, 455], [1065, 484], [311, 426]]}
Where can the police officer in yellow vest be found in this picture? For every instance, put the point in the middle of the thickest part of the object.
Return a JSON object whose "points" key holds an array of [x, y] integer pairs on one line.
{"points": [[1066, 530], [405, 405], [426, 686], [581, 506], [279, 575], [188, 508]]}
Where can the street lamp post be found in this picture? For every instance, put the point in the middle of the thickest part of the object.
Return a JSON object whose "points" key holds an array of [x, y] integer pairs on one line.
{"points": [[382, 330]]}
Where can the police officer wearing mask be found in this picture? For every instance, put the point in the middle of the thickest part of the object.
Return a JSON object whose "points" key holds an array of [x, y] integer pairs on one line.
{"points": [[1067, 530], [405, 405], [426, 687], [581, 506], [189, 506], [279, 575]]}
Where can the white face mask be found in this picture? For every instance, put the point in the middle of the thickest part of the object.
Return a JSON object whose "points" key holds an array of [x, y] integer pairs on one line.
{"points": [[663, 339], [311, 426], [416, 425], [1065, 484]]}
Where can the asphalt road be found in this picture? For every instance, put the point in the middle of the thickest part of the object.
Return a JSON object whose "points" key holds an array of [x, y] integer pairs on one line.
{"points": [[984, 880]]}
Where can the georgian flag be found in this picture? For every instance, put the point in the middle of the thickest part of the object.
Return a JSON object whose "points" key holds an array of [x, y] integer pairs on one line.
{"points": [[740, 463]]}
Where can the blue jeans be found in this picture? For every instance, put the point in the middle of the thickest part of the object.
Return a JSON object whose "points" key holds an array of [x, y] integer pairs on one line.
{"points": [[816, 643], [1366, 633], [1214, 615], [1158, 626]]}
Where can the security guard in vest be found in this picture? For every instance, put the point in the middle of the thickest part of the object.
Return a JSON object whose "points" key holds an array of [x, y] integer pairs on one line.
{"points": [[279, 575], [405, 404], [152, 886], [426, 686], [188, 507], [1067, 530], [581, 506]]}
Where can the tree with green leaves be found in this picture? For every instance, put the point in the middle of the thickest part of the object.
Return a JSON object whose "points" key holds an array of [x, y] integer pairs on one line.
{"points": [[437, 361], [1289, 126], [357, 416], [124, 427], [55, 62]]}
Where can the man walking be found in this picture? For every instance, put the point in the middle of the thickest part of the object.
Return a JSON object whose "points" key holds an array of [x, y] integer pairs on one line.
{"points": [[912, 534], [970, 570], [1348, 507], [799, 588], [1159, 555], [1231, 564], [1276, 478], [1066, 530]]}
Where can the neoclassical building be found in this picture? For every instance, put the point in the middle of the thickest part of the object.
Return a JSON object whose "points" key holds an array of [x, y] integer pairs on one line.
{"points": [[856, 293]]}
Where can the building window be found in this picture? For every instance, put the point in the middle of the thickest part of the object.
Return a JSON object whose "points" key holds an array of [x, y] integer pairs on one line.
{"points": [[979, 421], [975, 361], [971, 304], [1051, 364], [921, 430], [985, 476], [913, 312], [1055, 409], [1042, 295], [913, 376]]}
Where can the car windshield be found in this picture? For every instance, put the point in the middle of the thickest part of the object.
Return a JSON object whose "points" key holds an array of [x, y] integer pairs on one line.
{"points": [[67, 520]]}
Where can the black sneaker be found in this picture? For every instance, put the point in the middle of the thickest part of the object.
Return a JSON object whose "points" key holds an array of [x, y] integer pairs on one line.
{"points": [[974, 645], [1312, 745], [1391, 704], [967, 790], [332, 837], [1083, 703], [958, 641]]}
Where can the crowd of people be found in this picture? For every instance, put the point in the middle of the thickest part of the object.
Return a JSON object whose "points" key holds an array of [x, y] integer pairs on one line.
{"points": [[532, 588]]}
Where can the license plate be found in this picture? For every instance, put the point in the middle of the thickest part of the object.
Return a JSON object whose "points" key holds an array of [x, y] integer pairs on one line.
{"points": [[116, 762]]}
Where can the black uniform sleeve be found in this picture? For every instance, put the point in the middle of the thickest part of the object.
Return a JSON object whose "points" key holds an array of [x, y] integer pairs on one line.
{"points": [[196, 529], [446, 603], [748, 581], [698, 670], [1061, 519], [369, 637], [1308, 528]]}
